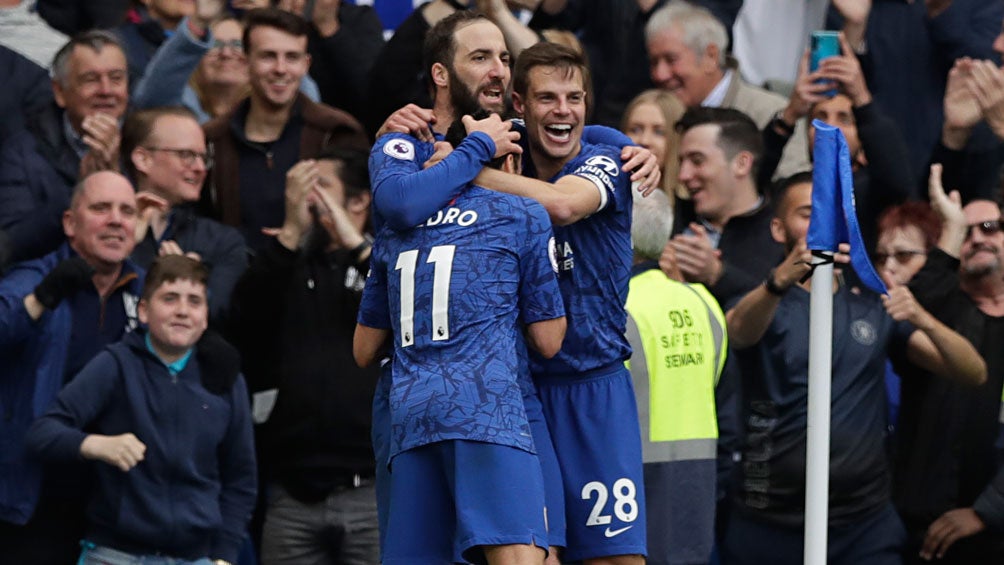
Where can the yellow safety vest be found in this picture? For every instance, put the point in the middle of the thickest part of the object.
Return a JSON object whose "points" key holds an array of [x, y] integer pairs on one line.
{"points": [[677, 332]]}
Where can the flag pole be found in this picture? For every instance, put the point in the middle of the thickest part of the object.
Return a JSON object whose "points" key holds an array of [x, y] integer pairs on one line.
{"points": [[833, 222], [817, 464]]}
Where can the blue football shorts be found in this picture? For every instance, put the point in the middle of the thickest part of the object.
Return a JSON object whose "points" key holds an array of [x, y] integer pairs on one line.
{"points": [[554, 490], [451, 497], [593, 420], [380, 436]]}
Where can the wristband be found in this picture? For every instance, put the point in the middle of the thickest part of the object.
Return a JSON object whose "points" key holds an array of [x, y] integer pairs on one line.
{"points": [[780, 126], [771, 285]]}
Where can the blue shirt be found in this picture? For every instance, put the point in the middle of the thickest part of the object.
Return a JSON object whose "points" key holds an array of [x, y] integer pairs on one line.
{"points": [[174, 367], [594, 267], [454, 291]]}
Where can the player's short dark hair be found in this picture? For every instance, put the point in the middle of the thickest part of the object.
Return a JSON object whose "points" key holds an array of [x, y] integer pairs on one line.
{"points": [[169, 268], [458, 132], [351, 167], [550, 55], [274, 18], [439, 45], [138, 128]]}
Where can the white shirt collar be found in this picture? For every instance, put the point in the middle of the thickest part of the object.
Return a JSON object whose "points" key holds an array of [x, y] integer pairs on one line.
{"points": [[717, 95]]}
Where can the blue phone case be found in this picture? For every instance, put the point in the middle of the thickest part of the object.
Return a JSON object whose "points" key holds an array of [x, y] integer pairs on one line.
{"points": [[823, 44]]}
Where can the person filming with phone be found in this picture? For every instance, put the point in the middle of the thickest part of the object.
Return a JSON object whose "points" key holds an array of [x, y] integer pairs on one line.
{"points": [[835, 92]]}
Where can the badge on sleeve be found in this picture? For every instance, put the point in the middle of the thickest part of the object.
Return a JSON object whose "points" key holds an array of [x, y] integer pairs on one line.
{"points": [[605, 164], [400, 149]]}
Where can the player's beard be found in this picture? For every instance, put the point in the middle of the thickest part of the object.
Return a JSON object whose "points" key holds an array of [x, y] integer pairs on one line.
{"points": [[463, 100]]}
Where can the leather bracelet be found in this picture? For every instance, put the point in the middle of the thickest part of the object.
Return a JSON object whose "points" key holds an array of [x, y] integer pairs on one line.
{"points": [[771, 285], [778, 124]]}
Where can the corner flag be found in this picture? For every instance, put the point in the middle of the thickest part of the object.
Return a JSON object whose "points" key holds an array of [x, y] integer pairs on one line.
{"points": [[833, 218]]}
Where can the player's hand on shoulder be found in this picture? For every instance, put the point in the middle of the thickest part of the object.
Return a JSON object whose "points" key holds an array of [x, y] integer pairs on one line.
{"points": [[442, 149], [411, 120], [644, 167], [506, 140]]}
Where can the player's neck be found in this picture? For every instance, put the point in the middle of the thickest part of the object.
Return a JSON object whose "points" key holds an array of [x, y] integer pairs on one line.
{"points": [[546, 166], [445, 115]]}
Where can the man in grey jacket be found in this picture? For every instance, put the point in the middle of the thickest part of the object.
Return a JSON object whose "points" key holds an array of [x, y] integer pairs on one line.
{"points": [[687, 56]]}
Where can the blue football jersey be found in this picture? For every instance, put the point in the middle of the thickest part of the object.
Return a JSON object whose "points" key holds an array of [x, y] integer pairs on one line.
{"points": [[594, 266], [454, 291], [405, 194]]}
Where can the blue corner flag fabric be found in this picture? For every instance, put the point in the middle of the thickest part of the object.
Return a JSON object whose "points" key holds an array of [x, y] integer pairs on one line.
{"points": [[833, 219]]}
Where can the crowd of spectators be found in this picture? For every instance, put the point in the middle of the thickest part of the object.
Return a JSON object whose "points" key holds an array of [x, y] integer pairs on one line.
{"points": [[236, 133]]}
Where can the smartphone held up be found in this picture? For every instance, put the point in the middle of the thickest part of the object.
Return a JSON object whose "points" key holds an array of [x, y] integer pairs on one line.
{"points": [[823, 44]]}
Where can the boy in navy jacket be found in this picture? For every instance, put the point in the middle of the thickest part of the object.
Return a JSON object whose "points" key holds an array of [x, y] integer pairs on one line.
{"points": [[169, 421]]}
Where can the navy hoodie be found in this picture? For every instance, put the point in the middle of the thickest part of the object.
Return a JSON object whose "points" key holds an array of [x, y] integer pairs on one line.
{"points": [[193, 493]]}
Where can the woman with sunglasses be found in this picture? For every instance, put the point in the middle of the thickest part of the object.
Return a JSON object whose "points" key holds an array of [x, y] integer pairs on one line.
{"points": [[949, 487], [906, 233]]}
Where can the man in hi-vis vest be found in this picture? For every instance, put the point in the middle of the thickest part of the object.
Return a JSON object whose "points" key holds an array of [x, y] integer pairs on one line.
{"points": [[677, 334]]}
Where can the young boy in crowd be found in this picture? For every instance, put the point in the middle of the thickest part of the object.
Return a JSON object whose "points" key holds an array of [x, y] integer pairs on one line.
{"points": [[167, 417]]}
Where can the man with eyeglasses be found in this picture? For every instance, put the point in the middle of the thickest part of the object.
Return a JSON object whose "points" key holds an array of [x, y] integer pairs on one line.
{"points": [[165, 153], [949, 480]]}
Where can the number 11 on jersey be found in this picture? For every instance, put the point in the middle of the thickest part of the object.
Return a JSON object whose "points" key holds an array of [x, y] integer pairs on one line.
{"points": [[407, 262]]}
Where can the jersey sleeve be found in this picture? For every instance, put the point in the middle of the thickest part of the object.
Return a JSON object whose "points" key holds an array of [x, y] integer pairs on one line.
{"points": [[405, 194], [539, 294], [602, 168], [604, 135], [374, 310], [57, 434]]}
